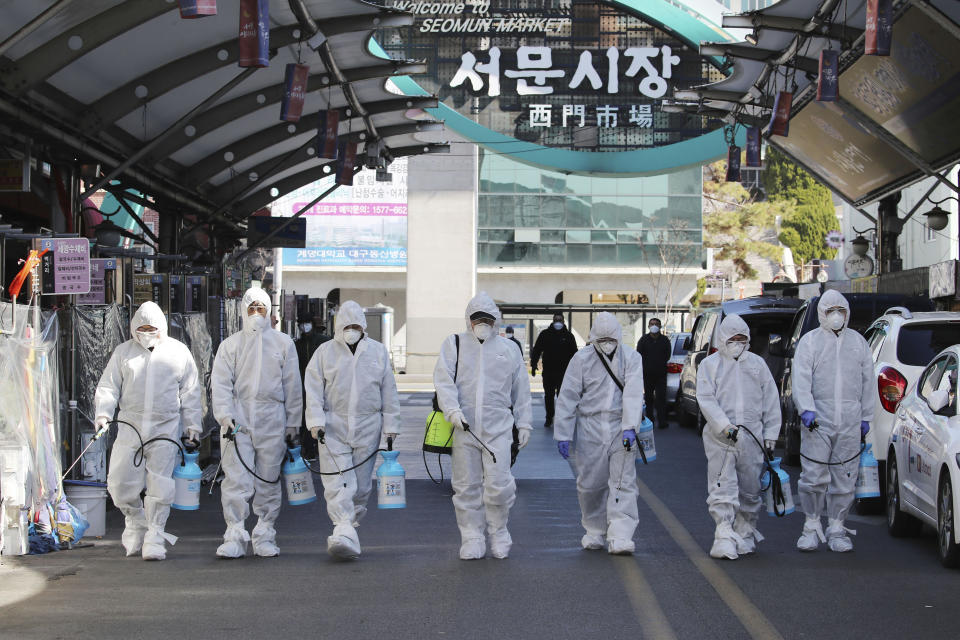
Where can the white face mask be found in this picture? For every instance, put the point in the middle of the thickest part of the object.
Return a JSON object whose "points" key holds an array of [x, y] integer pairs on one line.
{"points": [[256, 322], [148, 339], [307, 327], [482, 331], [654, 329], [736, 349], [558, 325], [608, 347], [351, 336], [835, 320]]}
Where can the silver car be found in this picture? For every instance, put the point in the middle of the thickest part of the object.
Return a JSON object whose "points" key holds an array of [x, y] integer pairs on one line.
{"points": [[678, 354]]}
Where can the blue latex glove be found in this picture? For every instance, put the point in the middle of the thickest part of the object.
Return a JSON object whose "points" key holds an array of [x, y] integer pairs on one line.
{"points": [[807, 418], [864, 428], [629, 435], [564, 448]]}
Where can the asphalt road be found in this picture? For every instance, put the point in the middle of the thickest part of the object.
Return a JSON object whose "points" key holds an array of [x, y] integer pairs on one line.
{"points": [[410, 584]]}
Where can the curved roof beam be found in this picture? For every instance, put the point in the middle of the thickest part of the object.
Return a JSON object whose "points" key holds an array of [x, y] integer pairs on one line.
{"points": [[203, 170], [49, 58], [226, 112], [841, 32], [753, 53]]}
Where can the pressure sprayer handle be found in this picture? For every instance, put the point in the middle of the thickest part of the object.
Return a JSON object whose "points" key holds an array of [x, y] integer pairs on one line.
{"points": [[389, 443]]}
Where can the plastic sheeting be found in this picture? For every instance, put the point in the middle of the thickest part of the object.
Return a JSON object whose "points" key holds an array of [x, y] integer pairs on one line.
{"points": [[191, 329], [232, 320], [29, 395], [98, 330]]}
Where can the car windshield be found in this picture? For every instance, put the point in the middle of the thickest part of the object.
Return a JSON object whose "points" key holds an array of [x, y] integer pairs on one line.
{"points": [[918, 343], [678, 349]]}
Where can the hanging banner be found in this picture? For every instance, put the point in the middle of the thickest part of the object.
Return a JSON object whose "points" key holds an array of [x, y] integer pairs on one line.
{"points": [[198, 8], [294, 91], [879, 33], [254, 39], [347, 154], [828, 82], [327, 139], [733, 163], [753, 147], [780, 118]]}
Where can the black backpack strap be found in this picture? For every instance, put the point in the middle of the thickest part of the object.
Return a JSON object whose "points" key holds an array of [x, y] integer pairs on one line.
{"points": [[606, 365], [456, 366]]}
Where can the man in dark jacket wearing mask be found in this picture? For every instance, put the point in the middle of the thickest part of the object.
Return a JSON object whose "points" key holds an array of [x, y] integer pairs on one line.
{"points": [[655, 349], [557, 345]]}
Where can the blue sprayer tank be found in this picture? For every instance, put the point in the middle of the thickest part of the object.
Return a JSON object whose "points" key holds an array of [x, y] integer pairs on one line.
{"points": [[187, 476], [785, 507], [868, 478], [646, 441], [391, 482], [297, 478]]}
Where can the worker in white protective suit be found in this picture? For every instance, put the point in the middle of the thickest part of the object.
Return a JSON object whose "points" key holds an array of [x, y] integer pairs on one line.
{"points": [[351, 400], [833, 387], [482, 385], [257, 400], [736, 389], [152, 380], [601, 405]]}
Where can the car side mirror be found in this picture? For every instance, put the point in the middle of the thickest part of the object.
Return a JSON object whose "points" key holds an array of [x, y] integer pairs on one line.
{"points": [[938, 400], [775, 346]]}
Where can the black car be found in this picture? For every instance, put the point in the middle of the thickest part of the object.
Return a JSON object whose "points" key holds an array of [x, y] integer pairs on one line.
{"points": [[769, 320], [864, 309]]}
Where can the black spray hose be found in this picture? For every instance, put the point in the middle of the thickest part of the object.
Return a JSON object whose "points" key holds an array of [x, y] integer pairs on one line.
{"points": [[231, 436], [814, 426], [483, 444], [138, 456], [775, 485], [321, 438]]}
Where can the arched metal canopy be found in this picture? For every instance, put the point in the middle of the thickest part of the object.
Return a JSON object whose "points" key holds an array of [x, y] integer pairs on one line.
{"points": [[161, 102], [892, 142]]}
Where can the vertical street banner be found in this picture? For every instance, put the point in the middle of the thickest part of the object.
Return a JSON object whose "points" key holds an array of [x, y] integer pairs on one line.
{"points": [[328, 125], [254, 36], [780, 117], [828, 82], [879, 32], [753, 147], [294, 91], [346, 157], [733, 163]]}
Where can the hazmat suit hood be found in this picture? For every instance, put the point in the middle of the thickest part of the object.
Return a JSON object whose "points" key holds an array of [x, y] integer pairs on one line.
{"points": [[254, 294], [606, 325], [349, 313], [482, 302], [151, 314], [832, 298], [729, 327]]}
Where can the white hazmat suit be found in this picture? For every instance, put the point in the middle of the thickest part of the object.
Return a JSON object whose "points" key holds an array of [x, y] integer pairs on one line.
{"points": [[351, 396], [158, 392], [256, 386], [833, 378], [491, 379], [737, 391], [592, 409]]}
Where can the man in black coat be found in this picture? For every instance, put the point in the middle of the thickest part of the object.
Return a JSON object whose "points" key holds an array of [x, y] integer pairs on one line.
{"points": [[557, 345], [654, 347], [509, 332]]}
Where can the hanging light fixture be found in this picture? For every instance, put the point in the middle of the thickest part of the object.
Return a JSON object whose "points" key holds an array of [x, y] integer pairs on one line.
{"points": [[938, 217], [860, 245]]}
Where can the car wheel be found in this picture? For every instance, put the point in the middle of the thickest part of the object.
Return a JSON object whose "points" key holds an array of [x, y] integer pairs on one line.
{"points": [[899, 524], [949, 550]]}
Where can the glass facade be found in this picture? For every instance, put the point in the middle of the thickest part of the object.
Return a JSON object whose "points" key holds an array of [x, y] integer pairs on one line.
{"points": [[534, 217]]}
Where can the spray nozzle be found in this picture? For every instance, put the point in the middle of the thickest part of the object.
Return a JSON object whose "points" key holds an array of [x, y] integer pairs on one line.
{"points": [[190, 445], [732, 433], [626, 444], [813, 425]]}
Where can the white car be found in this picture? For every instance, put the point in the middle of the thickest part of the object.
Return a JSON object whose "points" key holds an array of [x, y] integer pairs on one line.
{"points": [[902, 344], [678, 354], [923, 458]]}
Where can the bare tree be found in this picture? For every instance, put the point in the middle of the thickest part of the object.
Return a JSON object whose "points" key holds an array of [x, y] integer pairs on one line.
{"points": [[674, 253]]}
